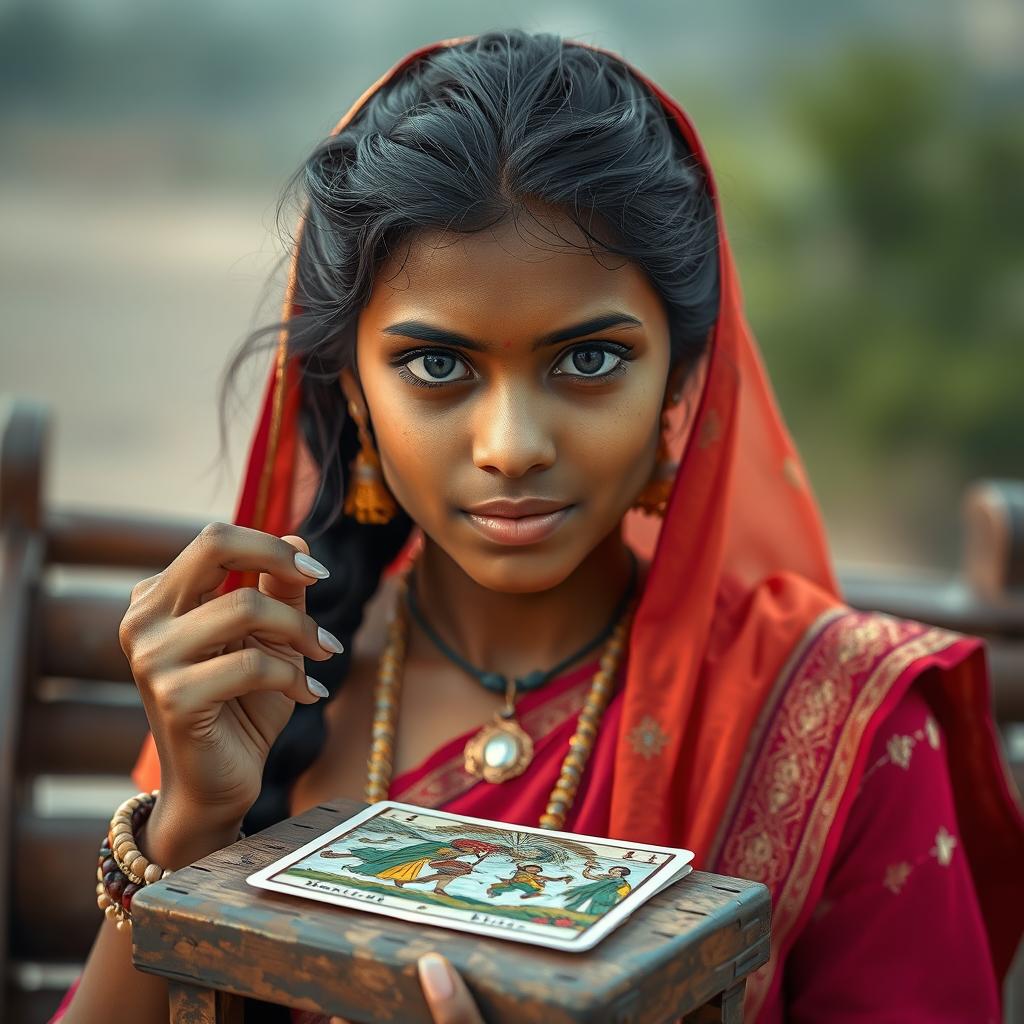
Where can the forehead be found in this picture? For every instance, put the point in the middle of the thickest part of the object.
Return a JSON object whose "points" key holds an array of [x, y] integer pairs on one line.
{"points": [[522, 276]]}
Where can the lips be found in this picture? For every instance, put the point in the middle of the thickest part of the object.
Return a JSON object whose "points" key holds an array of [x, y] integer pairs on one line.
{"points": [[520, 528], [516, 508]]}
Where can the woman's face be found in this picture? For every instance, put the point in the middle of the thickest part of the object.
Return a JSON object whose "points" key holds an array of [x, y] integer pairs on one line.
{"points": [[525, 403]]}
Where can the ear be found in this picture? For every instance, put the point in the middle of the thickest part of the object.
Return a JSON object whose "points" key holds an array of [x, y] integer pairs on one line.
{"points": [[353, 393], [674, 386]]}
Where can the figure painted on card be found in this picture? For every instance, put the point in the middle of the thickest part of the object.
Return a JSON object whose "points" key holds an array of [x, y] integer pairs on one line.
{"points": [[528, 880], [602, 893]]}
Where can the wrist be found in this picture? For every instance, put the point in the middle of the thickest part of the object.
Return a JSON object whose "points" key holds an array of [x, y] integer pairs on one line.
{"points": [[177, 835]]}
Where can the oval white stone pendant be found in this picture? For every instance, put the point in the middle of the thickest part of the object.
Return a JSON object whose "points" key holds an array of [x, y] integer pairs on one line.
{"points": [[499, 751]]}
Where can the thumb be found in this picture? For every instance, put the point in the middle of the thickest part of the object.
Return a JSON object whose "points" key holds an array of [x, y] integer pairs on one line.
{"points": [[290, 591]]}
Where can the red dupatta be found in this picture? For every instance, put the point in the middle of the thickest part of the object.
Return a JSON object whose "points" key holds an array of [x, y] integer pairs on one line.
{"points": [[740, 624]]}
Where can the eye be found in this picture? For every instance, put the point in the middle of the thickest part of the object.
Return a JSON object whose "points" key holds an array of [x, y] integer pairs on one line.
{"points": [[434, 368], [592, 362], [596, 361]]}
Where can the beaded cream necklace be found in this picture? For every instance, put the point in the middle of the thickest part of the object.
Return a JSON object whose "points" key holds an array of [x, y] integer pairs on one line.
{"points": [[388, 689]]}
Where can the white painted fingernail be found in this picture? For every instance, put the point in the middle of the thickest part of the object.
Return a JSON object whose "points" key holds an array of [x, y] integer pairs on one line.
{"points": [[317, 689], [434, 977], [310, 566], [328, 641]]}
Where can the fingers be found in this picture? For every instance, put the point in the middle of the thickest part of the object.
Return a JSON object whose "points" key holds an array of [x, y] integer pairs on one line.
{"points": [[221, 548], [287, 590], [197, 687], [143, 587], [445, 991], [232, 617]]}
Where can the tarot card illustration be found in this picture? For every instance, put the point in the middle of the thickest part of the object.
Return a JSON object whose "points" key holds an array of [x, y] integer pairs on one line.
{"points": [[526, 884]]}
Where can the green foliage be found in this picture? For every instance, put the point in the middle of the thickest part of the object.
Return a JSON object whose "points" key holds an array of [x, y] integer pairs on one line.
{"points": [[884, 275]]}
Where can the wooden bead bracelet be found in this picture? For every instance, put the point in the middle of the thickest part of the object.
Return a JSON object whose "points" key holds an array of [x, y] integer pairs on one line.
{"points": [[121, 869]]}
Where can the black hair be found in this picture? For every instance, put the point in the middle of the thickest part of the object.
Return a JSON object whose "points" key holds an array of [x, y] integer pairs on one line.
{"points": [[461, 140]]}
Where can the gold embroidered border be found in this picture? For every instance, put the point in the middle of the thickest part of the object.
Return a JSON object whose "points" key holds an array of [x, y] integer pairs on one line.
{"points": [[765, 718], [450, 779], [822, 812]]}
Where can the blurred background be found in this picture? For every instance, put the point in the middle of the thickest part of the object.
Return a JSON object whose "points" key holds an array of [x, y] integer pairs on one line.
{"points": [[870, 157]]}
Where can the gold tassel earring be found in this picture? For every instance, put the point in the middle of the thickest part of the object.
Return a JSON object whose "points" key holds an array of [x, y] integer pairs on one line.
{"points": [[653, 498], [368, 499]]}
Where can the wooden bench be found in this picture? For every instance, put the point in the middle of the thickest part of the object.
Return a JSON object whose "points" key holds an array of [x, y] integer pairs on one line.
{"points": [[69, 711], [204, 928]]}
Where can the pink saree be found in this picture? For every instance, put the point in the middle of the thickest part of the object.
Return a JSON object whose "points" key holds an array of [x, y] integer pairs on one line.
{"points": [[856, 807], [847, 811]]}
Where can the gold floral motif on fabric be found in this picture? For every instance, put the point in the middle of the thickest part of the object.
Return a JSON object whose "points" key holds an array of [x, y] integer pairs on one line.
{"points": [[792, 472], [896, 876], [945, 844], [710, 430], [899, 748], [647, 738]]}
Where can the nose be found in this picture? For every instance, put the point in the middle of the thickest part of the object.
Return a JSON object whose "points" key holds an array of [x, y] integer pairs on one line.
{"points": [[510, 434]]}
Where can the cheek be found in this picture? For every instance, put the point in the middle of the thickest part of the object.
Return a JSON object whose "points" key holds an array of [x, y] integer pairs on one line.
{"points": [[615, 456], [414, 456], [416, 459]]}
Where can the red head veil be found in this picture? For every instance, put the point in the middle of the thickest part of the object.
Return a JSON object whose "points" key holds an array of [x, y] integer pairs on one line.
{"points": [[740, 567], [740, 511]]}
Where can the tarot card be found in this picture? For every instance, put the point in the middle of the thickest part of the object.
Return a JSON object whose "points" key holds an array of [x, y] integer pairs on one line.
{"points": [[533, 885]]}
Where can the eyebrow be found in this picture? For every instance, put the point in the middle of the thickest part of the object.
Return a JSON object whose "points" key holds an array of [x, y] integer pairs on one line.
{"points": [[427, 332]]}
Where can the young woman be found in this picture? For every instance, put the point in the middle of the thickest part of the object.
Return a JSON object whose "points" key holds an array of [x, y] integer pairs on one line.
{"points": [[521, 501]]}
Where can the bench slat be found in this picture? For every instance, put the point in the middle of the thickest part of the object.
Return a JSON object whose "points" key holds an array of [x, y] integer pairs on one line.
{"points": [[77, 636], [54, 922], [66, 737]]}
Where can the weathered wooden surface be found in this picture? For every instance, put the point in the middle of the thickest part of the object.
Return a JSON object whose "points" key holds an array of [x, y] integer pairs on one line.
{"points": [[193, 1004], [205, 926], [725, 1008]]}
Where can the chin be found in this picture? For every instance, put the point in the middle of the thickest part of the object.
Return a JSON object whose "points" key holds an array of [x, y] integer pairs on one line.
{"points": [[517, 576], [529, 569]]}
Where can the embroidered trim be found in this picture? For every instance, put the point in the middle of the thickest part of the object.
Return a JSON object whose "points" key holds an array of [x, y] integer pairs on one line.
{"points": [[765, 718], [790, 796]]}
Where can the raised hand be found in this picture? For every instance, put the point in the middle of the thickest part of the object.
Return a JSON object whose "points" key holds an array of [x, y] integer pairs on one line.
{"points": [[220, 675]]}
